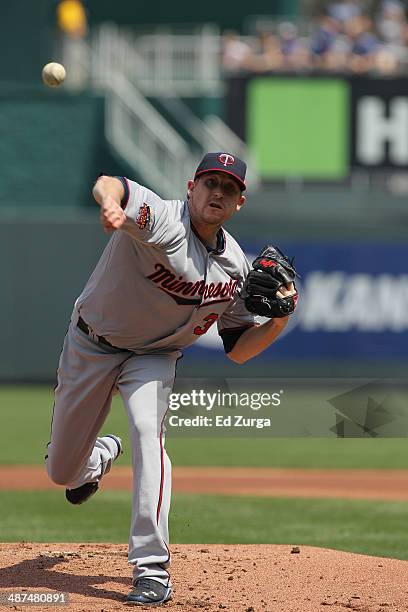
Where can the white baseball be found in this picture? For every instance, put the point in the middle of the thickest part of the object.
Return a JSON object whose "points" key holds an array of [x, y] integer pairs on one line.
{"points": [[53, 74]]}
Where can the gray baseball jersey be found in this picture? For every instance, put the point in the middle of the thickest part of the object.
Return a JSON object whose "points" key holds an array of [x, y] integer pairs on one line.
{"points": [[155, 290], [156, 287]]}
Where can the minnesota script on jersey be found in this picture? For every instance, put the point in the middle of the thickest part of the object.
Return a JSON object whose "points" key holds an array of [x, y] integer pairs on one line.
{"points": [[156, 288]]}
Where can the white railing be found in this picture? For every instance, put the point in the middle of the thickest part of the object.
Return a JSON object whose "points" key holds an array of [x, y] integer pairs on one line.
{"points": [[146, 141], [212, 134], [165, 63], [135, 129]]}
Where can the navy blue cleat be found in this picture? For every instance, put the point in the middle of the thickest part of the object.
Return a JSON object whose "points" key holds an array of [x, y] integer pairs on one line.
{"points": [[81, 494], [148, 592], [84, 492]]}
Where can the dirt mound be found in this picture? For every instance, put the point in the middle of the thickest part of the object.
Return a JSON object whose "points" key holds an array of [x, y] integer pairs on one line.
{"points": [[236, 578]]}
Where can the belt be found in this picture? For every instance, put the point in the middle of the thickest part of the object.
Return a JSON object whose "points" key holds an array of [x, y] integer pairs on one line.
{"points": [[87, 330]]}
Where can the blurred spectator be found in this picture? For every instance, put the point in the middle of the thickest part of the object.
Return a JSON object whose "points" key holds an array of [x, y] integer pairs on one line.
{"points": [[344, 39], [392, 28], [329, 48], [270, 53], [237, 55], [325, 36], [364, 44], [73, 27], [288, 35], [344, 10], [391, 22], [71, 18], [386, 63], [295, 53]]}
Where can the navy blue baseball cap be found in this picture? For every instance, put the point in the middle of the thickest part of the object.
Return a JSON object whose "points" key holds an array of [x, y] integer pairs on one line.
{"points": [[223, 162]]}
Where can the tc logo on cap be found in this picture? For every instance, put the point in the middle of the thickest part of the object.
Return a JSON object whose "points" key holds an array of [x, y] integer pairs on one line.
{"points": [[226, 160]]}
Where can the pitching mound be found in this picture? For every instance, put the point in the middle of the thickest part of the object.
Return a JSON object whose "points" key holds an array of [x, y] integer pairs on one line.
{"points": [[250, 578]]}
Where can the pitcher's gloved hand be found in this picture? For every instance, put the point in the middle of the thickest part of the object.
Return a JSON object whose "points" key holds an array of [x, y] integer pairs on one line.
{"points": [[269, 289]]}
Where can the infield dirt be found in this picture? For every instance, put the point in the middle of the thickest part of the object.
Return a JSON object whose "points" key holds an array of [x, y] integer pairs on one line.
{"points": [[385, 484]]}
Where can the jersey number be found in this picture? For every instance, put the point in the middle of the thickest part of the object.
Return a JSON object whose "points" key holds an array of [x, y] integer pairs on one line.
{"points": [[209, 320]]}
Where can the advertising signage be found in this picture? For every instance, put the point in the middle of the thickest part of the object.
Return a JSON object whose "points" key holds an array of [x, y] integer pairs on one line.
{"points": [[320, 128], [379, 129], [353, 305]]}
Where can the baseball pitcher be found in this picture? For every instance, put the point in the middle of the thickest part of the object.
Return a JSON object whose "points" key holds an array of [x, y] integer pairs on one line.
{"points": [[169, 272]]}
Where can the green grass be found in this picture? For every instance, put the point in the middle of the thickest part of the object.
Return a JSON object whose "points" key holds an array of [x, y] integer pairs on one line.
{"points": [[376, 528], [25, 416], [291, 452]]}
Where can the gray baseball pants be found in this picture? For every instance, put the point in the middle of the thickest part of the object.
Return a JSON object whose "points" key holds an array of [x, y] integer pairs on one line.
{"points": [[88, 375]]}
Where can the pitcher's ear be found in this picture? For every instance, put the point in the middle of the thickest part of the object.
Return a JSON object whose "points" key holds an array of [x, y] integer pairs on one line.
{"points": [[190, 187]]}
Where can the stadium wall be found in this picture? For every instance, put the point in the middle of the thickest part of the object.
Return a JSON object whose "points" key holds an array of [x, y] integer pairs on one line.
{"points": [[352, 316]]}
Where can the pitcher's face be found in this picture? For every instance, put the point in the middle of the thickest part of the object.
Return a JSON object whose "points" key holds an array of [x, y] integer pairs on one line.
{"points": [[214, 197]]}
